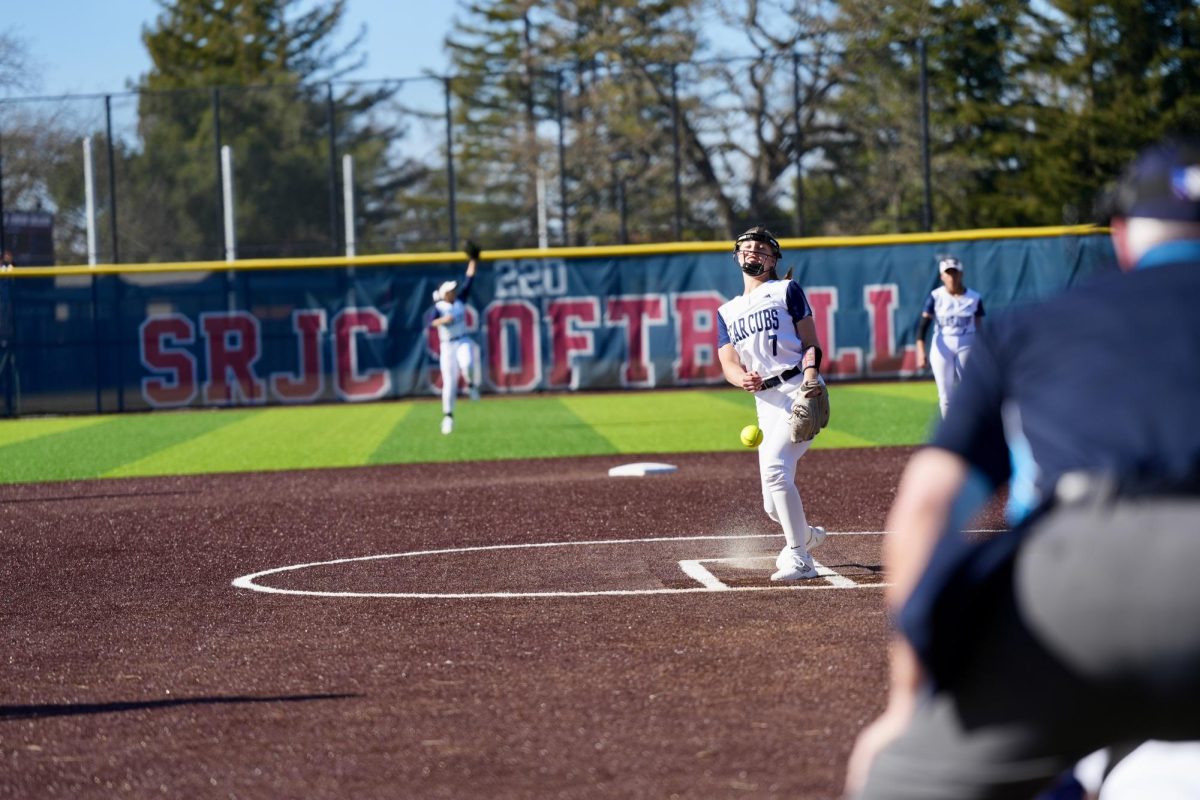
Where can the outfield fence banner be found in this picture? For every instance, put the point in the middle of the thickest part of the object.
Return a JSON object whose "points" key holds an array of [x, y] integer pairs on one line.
{"points": [[126, 339]]}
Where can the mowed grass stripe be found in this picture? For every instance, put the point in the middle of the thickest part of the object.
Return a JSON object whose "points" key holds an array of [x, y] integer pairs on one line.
{"points": [[501, 427], [881, 418], [13, 431], [921, 391], [668, 421], [407, 431], [860, 416], [833, 438], [707, 420], [300, 437], [95, 450]]}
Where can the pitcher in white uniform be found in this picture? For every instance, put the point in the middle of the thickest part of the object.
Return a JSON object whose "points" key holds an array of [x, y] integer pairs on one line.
{"points": [[767, 345], [958, 312]]}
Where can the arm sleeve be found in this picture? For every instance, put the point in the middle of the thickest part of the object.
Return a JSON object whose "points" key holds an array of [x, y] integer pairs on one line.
{"points": [[797, 302], [922, 327], [722, 332], [465, 289]]}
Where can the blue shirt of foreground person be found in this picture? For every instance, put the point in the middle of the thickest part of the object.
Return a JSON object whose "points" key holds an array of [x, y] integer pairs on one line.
{"points": [[1080, 627]]}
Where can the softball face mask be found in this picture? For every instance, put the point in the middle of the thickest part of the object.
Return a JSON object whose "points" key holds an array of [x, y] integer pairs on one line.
{"points": [[756, 252]]}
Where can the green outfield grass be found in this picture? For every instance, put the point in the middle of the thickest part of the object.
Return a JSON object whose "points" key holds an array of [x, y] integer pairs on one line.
{"points": [[403, 432]]}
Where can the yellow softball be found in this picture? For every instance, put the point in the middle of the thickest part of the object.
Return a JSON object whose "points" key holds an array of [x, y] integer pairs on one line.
{"points": [[751, 436]]}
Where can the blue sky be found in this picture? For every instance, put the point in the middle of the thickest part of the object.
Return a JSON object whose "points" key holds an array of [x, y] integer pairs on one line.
{"points": [[87, 47]]}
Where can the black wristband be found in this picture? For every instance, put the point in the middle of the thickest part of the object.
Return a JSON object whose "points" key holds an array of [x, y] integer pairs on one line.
{"points": [[816, 358]]}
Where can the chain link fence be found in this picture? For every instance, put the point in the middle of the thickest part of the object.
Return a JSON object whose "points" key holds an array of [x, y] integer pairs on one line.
{"points": [[584, 155]]}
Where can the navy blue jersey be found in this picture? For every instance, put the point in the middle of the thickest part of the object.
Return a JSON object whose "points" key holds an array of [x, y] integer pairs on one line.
{"points": [[1104, 378]]}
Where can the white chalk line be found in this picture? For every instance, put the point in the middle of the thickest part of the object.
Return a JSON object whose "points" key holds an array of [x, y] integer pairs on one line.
{"points": [[836, 581], [695, 569]]}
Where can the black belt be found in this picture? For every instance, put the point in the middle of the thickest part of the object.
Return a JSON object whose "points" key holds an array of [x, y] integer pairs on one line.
{"points": [[1083, 487], [786, 375]]}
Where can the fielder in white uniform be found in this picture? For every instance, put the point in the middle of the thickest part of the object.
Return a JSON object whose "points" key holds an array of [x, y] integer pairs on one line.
{"points": [[958, 312], [767, 342], [457, 356]]}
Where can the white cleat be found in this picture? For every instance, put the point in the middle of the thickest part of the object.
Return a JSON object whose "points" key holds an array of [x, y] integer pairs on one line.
{"points": [[795, 568], [815, 537], [812, 540], [794, 564], [447, 424], [473, 392]]}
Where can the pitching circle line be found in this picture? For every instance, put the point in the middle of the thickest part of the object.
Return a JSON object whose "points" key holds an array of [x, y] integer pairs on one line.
{"points": [[250, 581]]}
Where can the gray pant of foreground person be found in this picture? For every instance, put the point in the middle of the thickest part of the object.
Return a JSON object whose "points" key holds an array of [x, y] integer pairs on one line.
{"points": [[1100, 644]]}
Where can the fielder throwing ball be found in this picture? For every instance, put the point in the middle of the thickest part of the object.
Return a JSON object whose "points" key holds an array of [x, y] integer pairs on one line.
{"points": [[457, 356], [958, 312], [767, 344]]}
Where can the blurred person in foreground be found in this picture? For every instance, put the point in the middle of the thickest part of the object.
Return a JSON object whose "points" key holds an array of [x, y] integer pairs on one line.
{"points": [[1079, 628]]}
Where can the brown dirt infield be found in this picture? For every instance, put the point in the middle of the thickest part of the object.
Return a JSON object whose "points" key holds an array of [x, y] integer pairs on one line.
{"points": [[133, 667]]}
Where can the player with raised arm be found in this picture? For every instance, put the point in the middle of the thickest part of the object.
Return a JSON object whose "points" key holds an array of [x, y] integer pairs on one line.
{"points": [[767, 345], [457, 356], [958, 312]]}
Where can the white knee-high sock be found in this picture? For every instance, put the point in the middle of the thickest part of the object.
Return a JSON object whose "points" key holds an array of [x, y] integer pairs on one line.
{"points": [[449, 384], [790, 510]]}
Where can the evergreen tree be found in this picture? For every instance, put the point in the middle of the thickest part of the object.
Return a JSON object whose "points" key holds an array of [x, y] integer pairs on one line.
{"points": [[1111, 76], [619, 59], [1032, 107], [608, 64], [981, 115], [876, 183], [500, 96], [256, 75]]}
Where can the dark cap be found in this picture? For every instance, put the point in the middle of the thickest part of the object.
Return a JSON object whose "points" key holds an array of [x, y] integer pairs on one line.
{"points": [[1163, 182]]}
